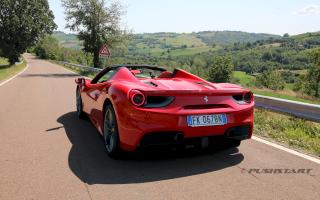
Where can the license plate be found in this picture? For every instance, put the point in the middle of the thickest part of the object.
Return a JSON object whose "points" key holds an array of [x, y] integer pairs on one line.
{"points": [[207, 120]]}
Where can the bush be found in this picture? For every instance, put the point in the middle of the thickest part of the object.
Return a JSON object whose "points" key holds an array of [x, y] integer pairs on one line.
{"points": [[220, 69], [48, 48], [271, 79]]}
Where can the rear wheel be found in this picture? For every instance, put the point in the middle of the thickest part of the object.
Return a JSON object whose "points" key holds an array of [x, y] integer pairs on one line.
{"points": [[110, 132], [79, 104]]}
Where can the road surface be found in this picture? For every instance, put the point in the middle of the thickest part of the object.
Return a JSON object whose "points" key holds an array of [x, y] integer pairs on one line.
{"points": [[47, 153]]}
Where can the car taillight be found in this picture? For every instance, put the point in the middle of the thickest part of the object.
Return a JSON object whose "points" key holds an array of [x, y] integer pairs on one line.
{"points": [[157, 101], [247, 97], [137, 98]]}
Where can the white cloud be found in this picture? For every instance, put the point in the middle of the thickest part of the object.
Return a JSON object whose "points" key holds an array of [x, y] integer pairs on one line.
{"points": [[311, 9]]}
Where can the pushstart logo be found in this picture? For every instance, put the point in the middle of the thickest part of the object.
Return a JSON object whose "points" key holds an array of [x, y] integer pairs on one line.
{"points": [[276, 171]]}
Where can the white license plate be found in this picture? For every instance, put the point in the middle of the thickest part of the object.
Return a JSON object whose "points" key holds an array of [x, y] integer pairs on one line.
{"points": [[207, 120]]}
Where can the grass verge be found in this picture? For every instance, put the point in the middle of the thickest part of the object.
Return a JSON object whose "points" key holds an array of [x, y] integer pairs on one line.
{"points": [[8, 71], [293, 132]]}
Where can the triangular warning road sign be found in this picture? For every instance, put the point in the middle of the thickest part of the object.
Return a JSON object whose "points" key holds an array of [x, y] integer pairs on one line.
{"points": [[104, 51]]}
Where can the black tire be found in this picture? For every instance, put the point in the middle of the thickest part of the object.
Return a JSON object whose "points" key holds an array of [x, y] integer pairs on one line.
{"points": [[110, 133], [79, 105]]}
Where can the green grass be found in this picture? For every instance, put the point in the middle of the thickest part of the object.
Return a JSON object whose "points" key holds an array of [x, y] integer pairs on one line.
{"points": [[177, 52], [189, 51], [294, 132], [185, 39], [9, 71], [244, 79]]}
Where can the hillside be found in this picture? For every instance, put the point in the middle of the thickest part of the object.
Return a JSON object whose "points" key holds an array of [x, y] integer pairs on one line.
{"points": [[67, 40], [230, 37], [157, 44]]}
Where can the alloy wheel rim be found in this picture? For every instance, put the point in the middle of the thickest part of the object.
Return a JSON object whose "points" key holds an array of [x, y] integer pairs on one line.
{"points": [[109, 131]]}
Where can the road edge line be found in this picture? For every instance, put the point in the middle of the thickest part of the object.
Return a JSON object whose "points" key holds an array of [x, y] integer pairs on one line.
{"points": [[10, 79], [277, 146]]}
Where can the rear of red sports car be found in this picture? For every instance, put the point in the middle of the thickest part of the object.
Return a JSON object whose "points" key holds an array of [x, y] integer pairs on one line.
{"points": [[182, 107]]}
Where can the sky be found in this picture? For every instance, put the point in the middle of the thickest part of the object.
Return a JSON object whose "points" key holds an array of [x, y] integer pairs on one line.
{"points": [[257, 16]]}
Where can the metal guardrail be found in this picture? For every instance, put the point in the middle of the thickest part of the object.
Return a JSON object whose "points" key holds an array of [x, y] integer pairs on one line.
{"points": [[86, 68], [298, 109]]}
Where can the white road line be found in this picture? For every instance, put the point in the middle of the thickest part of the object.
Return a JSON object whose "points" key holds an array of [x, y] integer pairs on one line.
{"points": [[266, 142], [310, 158], [288, 101], [6, 81]]}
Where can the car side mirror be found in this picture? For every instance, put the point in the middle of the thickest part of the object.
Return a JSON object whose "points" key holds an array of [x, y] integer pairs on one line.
{"points": [[80, 81]]}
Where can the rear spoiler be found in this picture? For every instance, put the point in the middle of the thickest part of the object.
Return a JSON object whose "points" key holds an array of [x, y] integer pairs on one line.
{"points": [[180, 73]]}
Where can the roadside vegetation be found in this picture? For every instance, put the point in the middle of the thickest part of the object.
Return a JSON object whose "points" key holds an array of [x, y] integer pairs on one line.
{"points": [[7, 70], [297, 133], [23, 23]]}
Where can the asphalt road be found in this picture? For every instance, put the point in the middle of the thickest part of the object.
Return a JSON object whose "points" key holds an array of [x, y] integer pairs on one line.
{"points": [[47, 153]]}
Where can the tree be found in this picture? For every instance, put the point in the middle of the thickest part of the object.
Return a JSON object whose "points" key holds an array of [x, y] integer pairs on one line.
{"points": [[313, 76], [48, 48], [22, 24], [220, 69], [96, 22], [286, 35], [271, 79]]}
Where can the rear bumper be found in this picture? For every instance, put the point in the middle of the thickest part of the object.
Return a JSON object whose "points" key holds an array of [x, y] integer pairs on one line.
{"points": [[176, 138], [139, 128]]}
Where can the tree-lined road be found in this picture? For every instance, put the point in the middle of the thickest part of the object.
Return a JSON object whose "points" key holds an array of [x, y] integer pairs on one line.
{"points": [[47, 153]]}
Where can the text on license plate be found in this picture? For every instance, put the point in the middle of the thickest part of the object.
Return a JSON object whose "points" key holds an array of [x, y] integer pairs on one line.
{"points": [[207, 120]]}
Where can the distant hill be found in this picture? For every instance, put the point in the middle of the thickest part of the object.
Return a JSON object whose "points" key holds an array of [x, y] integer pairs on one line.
{"points": [[155, 43], [67, 40], [230, 37], [252, 53]]}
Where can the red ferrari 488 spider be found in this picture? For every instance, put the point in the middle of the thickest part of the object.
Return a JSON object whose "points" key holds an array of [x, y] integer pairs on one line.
{"points": [[137, 106]]}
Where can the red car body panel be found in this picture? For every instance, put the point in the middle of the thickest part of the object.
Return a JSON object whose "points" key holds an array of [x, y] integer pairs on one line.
{"points": [[191, 96]]}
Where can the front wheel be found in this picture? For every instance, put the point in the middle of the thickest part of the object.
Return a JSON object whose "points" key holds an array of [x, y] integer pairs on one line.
{"points": [[110, 132]]}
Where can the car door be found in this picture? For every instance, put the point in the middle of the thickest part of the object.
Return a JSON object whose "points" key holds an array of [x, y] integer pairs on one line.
{"points": [[95, 94]]}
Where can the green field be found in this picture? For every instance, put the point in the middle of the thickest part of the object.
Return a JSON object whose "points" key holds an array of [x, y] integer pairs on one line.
{"points": [[297, 133], [9, 71], [244, 79]]}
